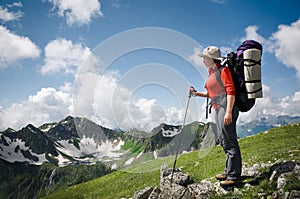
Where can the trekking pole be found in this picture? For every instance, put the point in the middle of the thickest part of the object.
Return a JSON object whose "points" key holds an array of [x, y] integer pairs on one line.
{"points": [[180, 134]]}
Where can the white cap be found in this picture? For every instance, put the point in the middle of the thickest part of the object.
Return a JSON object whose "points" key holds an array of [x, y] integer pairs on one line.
{"points": [[211, 52]]}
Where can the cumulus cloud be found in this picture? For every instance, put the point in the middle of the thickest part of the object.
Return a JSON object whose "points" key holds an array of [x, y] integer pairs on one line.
{"points": [[195, 57], [47, 105], [102, 99], [289, 105], [14, 47], [286, 45], [15, 4], [79, 12], [251, 33], [108, 97], [62, 55], [112, 106], [6, 15]]}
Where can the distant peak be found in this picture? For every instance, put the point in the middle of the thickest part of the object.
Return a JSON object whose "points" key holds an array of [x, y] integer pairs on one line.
{"points": [[9, 130], [68, 118]]}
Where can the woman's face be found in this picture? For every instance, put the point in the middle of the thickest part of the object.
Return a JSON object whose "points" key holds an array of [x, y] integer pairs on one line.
{"points": [[208, 62]]}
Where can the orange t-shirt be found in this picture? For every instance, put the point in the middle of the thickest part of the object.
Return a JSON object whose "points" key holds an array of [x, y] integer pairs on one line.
{"points": [[213, 86]]}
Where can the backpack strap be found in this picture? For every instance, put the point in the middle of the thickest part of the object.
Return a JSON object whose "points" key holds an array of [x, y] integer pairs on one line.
{"points": [[254, 62], [218, 77]]}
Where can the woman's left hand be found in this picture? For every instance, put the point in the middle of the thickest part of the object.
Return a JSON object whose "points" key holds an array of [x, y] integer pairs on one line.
{"points": [[227, 118]]}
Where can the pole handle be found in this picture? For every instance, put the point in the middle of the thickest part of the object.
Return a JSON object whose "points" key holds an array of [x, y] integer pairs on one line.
{"points": [[192, 90]]}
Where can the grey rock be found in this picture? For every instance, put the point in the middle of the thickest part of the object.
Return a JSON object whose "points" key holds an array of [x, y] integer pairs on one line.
{"points": [[143, 194], [155, 193], [201, 190]]}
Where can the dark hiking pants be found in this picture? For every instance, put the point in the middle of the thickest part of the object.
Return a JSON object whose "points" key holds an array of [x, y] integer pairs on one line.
{"points": [[228, 140]]}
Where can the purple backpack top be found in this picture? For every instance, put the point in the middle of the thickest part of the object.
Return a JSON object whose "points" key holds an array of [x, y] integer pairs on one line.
{"points": [[248, 44], [245, 67]]}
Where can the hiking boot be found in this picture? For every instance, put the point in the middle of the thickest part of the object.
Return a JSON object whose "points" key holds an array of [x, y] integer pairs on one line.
{"points": [[229, 183], [221, 177]]}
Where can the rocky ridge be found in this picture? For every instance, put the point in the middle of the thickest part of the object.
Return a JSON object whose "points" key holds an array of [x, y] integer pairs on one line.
{"points": [[281, 174]]}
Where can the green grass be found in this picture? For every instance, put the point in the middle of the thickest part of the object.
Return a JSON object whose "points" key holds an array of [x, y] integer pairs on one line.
{"points": [[129, 145], [276, 144]]}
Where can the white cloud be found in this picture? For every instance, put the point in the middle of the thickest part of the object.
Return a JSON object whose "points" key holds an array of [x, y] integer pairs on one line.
{"points": [[286, 45], [79, 12], [219, 1], [47, 105], [6, 15], [15, 4], [14, 47], [251, 33], [289, 105], [62, 55], [102, 99], [108, 104], [67, 87], [195, 57]]}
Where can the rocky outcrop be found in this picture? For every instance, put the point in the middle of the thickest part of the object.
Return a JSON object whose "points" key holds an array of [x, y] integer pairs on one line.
{"points": [[283, 174]]}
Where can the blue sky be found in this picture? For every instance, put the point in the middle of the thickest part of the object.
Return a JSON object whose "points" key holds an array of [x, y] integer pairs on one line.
{"points": [[47, 46]]}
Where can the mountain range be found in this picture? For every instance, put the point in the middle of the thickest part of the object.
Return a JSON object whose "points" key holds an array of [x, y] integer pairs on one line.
{"points": [[35, 161], [264, 123], [83, 141], [75, 139]]}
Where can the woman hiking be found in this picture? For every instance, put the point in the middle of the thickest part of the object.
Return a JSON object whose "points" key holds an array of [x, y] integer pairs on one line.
{"points": [[220, 89]]}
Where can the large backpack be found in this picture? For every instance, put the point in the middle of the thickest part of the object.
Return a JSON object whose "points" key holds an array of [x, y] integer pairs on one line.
{"points": [[245, 67]]}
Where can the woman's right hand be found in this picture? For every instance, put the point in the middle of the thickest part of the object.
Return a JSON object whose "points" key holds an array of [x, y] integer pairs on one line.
{"points": [[195, 93], [192, 91]]}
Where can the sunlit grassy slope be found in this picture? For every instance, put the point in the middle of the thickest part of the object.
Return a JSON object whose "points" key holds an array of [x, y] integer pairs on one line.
{"points": [[279, 143]]}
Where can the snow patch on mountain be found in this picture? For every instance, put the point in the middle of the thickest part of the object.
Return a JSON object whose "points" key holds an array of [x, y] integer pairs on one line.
{"points": [[170, 133], [87, 146], [15, 150], [49, 126], [155, 154], [62, 161], [128, 162]]}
